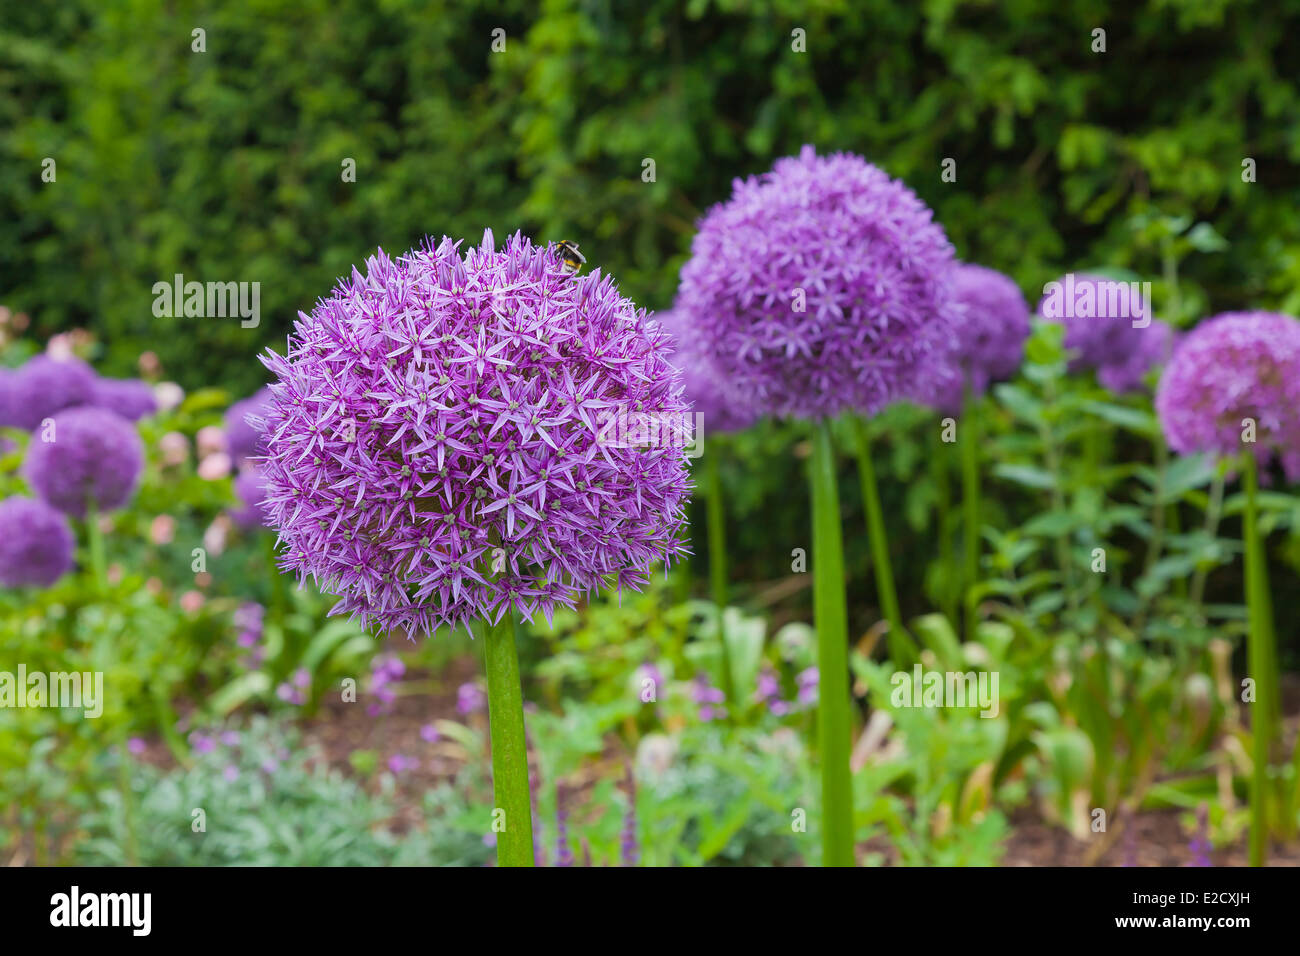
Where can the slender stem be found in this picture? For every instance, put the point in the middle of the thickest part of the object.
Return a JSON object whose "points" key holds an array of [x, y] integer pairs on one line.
{"points": [[128, 797], [96, 539], [717, 531], [830, 613], [1260, 660], [899, 647], [1063, 555], [939, 474], [509, 748], [970, 491]]}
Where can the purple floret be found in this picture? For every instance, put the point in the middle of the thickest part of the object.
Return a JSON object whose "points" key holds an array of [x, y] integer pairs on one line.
{"points": [[46, 385], [94, 455], [434, 438], [35, 544], [128, 397], [871, 264], [1235, 366]]}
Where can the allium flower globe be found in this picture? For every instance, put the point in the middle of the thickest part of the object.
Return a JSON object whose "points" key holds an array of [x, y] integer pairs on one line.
{"points": [[432, 438], [130, 398], [703, 386], [96, 456], [870, 265], [35, 544], [1098, 314], [46, 385], [989, 340], [250, 489], [1235, 366]]}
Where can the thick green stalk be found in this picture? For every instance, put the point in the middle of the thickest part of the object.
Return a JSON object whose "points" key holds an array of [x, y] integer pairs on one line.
{"points": [[717, 531], [1261, 661], [830, 612], [899, 647], [509, 748], [970, 491]]}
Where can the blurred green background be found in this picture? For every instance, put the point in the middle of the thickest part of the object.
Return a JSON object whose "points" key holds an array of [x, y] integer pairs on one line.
{"points": [[226, 165]]}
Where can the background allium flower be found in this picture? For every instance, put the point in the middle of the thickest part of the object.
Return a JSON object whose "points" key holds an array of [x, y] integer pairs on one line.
{"points": [[702, 383], [46, 385], [433, 438], [989, 340], [10, 416], [470, 699], [130, 398], [250, 488], [1101, 337], [95, 455], [35, 544], [242, 439], [1234, 366], [873, 266], [168, 395]]}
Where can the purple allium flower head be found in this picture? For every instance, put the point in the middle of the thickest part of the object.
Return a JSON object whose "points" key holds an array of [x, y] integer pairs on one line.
{"points": [[10, 416], [704, 387], [1100, 334], [128, 397], [95, 455], [808, 681], [434, 439], [821, 286], [250, 488], [990, 335], [46, 385], [470, 699], [429, 734], [202, 743], [135, 746], [400, 763], [36, 544], [244, 440], [1235, 366]]}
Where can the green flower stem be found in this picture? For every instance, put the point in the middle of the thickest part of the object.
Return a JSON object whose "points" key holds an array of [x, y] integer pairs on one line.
{"points": [[509, 748], [128, 797], [96, 540], [717, 531], [1261, 661], [900, 648], [939, 474], [830, 612], [970, 491], [1213, 512]]}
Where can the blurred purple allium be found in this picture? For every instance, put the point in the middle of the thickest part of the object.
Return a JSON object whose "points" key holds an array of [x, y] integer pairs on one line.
{"points": [[250, 489], [711, 700], [10, 416], [400, 763], [202, 743], [429, 734], [385, 670], [128, 397], [807, 682], [96, 455], [434, 451], [46, 385], [1235, 366], [992, 325], [702, 384], [1200, 845], [36, 544], [135, 746], [242, 439], [1099, 315], [819, 287], [629, 847]]}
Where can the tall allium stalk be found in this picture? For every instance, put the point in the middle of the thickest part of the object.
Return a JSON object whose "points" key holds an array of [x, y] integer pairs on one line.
{"points": [[987, 347], [1233, 389], [817, 289], [439, 452]]}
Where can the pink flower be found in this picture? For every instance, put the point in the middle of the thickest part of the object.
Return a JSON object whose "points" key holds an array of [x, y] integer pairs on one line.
{"points": [[210, 439], [191, 602], [215, 466], [429, 734], [162, 529], [168, 395]]}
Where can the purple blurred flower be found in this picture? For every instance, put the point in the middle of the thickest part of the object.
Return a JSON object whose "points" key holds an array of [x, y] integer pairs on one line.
{"points": [[470, 699], [95, 455], [819, 287], [135, 746], [230, 738], [250, 488], [46, 385], [563, 852], [244, 440], [202, 743], [1100, 334], [1200, 845], [400, 763], [434, 451], [709, 698], [702, 384], [807, 682], [990, 334], [36, 544], [385, 670], [129, 397], [429, 734], [230, 773], [1235, 366], [629, 849]]}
